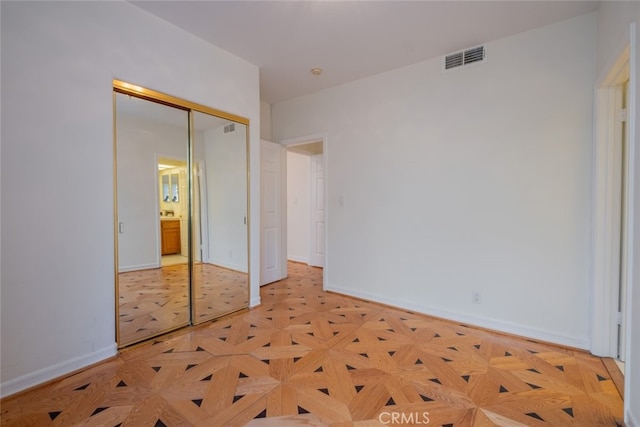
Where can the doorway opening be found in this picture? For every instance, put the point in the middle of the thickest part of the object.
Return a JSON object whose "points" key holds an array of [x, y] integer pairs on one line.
{"points": [[305, 203], [172, 205]]}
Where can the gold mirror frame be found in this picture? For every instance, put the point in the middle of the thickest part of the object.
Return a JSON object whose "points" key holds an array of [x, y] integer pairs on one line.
{"points": [[190, 107]]}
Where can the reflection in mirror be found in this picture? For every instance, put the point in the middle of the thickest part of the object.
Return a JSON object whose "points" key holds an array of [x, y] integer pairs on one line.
{"points": [[220, 271], [153, 290], [175, 181], [165, 188]]}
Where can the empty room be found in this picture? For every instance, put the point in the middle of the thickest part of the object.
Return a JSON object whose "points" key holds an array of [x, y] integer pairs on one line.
{"points": [[332, 213]]}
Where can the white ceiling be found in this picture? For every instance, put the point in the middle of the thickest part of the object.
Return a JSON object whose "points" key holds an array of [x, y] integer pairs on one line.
{"points": [[350, 40]]}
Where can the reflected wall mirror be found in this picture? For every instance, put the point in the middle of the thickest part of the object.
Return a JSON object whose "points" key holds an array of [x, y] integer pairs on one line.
{"points": [[181, 197]]}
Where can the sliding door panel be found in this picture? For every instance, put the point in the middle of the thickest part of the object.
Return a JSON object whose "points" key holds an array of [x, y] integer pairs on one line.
{"points": [[220, 240], [152, 235]]}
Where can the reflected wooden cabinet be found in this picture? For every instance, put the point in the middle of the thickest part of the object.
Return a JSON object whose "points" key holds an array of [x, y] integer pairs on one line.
{"points": [[170, 235]]}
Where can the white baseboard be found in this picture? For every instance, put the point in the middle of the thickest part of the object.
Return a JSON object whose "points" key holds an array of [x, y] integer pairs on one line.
{"points": [[137, 267], [480, 321], [228, 265], [56, 371], [631, 421], [255, 302], [304, 260]]}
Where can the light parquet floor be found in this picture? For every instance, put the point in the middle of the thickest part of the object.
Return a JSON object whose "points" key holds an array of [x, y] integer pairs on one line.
{"points": [[156, 300], [306, 357]]}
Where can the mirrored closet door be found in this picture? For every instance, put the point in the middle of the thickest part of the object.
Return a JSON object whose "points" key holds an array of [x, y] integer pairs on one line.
{"points": [[181, 213]]}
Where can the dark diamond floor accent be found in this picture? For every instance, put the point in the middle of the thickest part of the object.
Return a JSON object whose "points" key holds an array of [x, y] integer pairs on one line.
{"points": [[364, 355], [319, 369], [242, 375], [350, 368], [435, 380], [197, 402], [53, 415], [324, 390], [391, 353], [262, 414], [437, 335], [237, 397], [418, 362], [156, 368], [168, 351], [356, 340], [533, 370], [506, 353], [601, 378], [477, 346], [426, 398], [301, 410], [98, 410], [533, 386], [568, 411], [560, 367], [534, 415], [446, 360], [466, 377], [390, 402], [121, 384], [358, 388], [190, 366], [207, 378], [200, 349], [82, 387], [503, 389], [159, 423]]}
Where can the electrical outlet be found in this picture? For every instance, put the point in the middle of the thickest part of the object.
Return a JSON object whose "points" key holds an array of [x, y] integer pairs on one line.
{"points": [[475, 297]]}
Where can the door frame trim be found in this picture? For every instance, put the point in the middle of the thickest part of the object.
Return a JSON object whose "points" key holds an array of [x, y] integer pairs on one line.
{"points": [[607, 209]]}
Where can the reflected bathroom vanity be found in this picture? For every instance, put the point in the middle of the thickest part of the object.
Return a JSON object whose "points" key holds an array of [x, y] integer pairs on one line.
{"points": [[170, 235]]}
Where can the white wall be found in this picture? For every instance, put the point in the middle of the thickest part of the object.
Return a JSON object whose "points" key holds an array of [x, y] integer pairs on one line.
{"points": [[298, 207], [614, 19], [58, 62], [266, 132], [225, 155], [477, 179]]}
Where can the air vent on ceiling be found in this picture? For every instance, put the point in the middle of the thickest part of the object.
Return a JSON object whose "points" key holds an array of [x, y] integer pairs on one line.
{"points": [[230, 128], [465, 57]]}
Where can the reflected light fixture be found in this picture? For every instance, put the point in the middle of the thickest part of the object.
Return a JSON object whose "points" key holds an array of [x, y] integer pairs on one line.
{"points": [[316, 71]]}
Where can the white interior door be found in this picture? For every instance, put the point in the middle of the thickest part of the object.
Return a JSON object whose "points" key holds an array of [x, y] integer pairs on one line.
{"points": [[273, 265], [316, 253]]}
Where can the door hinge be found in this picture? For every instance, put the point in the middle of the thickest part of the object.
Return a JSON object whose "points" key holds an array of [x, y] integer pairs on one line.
{"points": [[619, 318], [623, 115]]}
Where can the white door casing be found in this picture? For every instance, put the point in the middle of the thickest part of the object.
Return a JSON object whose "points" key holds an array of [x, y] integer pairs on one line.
{"points": [[317, 243], [272, 189], [608, 211]]}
